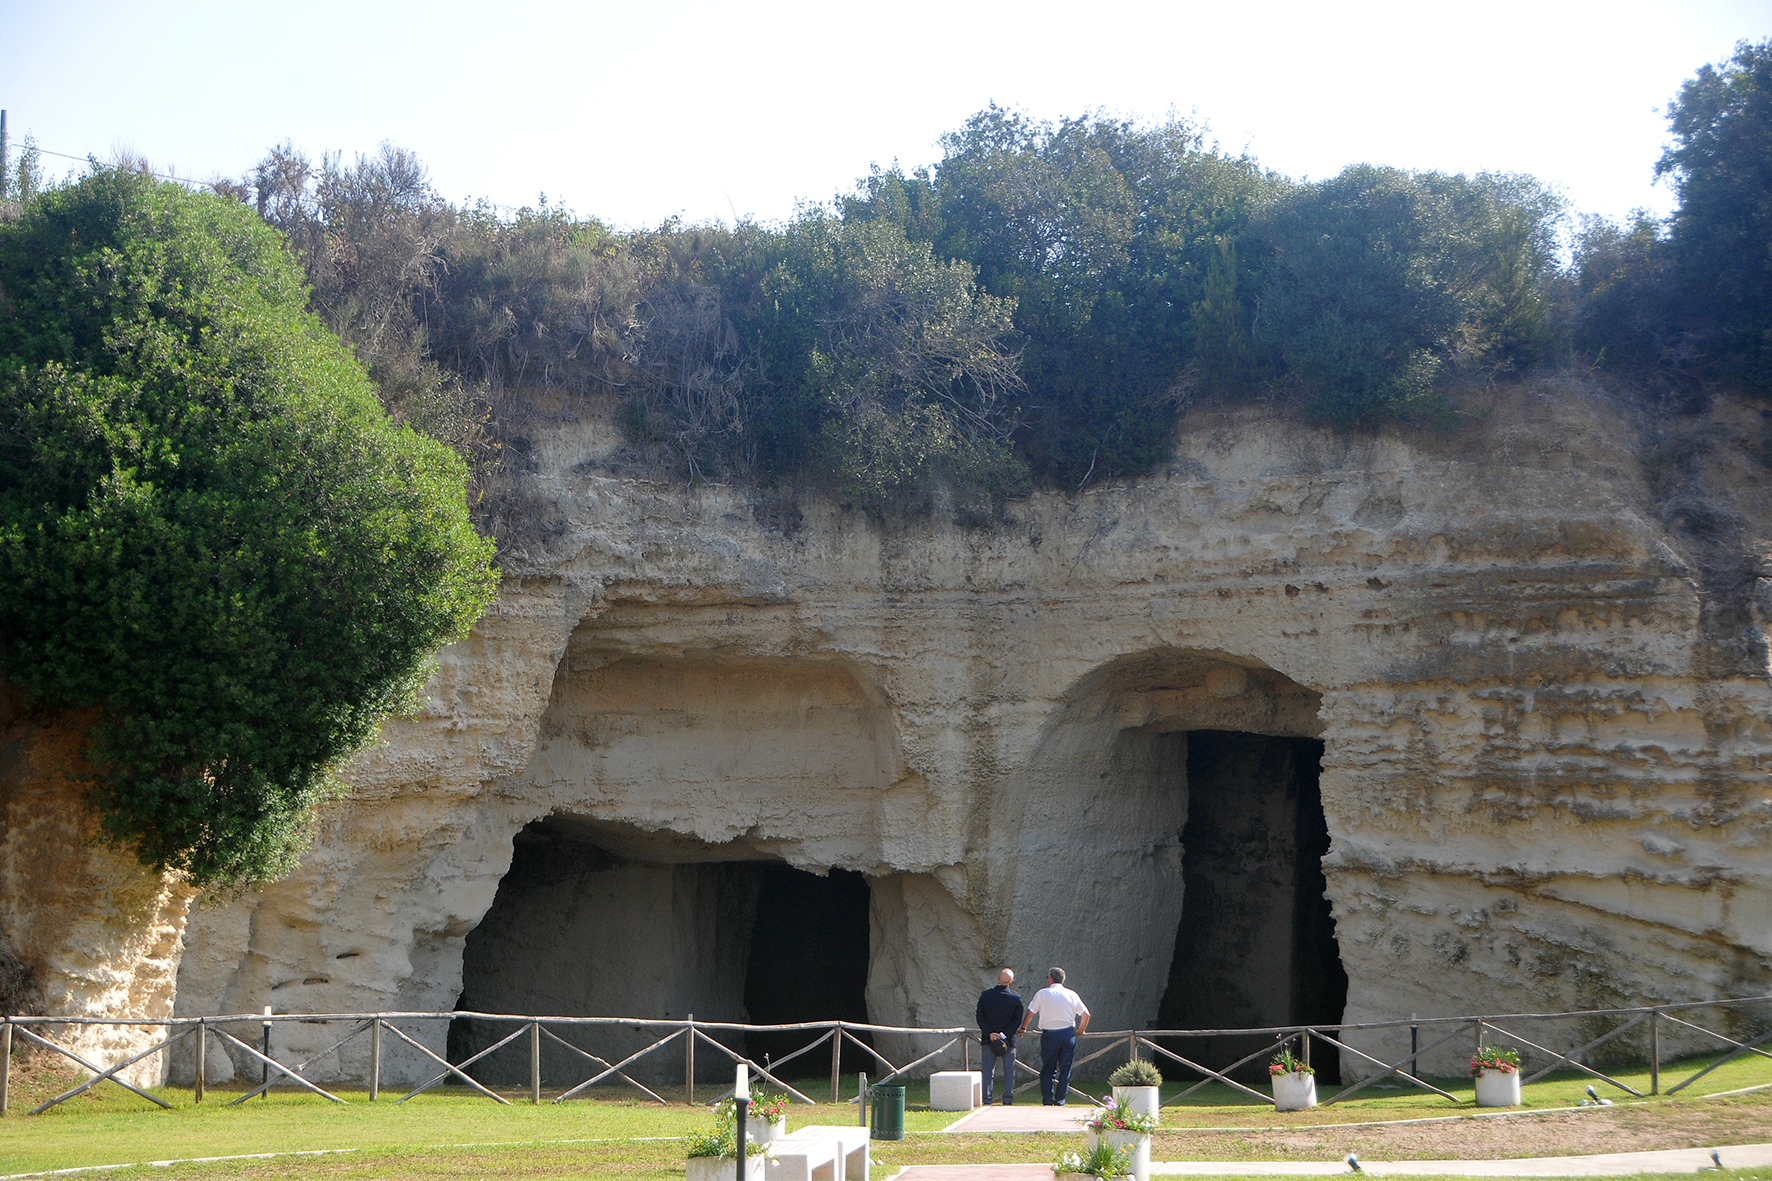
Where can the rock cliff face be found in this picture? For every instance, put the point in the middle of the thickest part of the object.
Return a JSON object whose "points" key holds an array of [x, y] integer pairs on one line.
{"points": [[1540, 686], [99, 934]]}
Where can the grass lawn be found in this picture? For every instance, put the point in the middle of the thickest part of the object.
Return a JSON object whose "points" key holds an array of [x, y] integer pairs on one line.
{"points": [[452, 1133]]}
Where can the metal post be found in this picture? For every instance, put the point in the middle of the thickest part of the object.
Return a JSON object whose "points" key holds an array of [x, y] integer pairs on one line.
{"points": [[374, 1059], [5, 1062], [741, 1107], [1414, 1045], [836, 1061], [535, 1062], [861, 1096], [266, 1069], [1655, 1051], [202, 1060]]}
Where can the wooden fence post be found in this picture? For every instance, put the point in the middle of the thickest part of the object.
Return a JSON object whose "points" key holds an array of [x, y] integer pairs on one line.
{"points": [[689, 1062], [836, 1060], [535, 1062], [5, 1062], [966, 1051], [375, 1060], [1655, 1051], [1304, 1041], [202, 1061]]}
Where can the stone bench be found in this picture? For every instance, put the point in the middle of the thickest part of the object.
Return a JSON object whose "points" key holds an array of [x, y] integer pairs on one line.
{"points": [[955, 1090], [811, 1158], [850, 1143]]}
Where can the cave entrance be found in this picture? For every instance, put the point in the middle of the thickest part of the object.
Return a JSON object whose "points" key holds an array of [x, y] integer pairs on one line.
{"points": [[604, 919], [1256, 943]]}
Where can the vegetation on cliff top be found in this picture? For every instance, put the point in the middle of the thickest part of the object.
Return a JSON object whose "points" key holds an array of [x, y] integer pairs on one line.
{"points": [[1040, 305], [211, 534]]}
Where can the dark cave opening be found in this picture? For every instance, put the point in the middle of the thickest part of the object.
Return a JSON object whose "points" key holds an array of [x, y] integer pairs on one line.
{"points": [[808, 962], [601, 919], [1256, 944]]}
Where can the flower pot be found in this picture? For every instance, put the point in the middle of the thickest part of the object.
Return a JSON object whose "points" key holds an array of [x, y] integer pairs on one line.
{"points": [[1295, 1092], [725, 1168], [1140, 1145], [1498, 1088], [1140, 1099], [762, 1133]]}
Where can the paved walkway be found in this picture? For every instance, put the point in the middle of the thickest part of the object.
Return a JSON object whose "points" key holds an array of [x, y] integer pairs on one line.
{"points": [[1023, 1117], [1678, 1160]]}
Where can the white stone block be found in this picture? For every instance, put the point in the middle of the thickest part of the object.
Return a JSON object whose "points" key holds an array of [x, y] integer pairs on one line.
{"points": [[955, 1090]]}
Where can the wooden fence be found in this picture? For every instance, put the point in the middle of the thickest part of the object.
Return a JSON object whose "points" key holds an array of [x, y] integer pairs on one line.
{"points": [[1480, 1030]]}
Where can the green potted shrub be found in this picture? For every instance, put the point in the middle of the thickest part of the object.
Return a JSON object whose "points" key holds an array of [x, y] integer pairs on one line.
{"points": [[1136, 1086], [1295, 1083], [1104, 1162], [1121, 1127], [712, 1153], [1497, 1072]]}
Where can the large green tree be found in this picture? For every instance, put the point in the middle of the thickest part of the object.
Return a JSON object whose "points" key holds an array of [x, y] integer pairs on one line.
{"points": [[1721, 165], [212, 537]]}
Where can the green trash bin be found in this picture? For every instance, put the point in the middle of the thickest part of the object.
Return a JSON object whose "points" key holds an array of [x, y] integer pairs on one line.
{"points": [[887, 1116]]}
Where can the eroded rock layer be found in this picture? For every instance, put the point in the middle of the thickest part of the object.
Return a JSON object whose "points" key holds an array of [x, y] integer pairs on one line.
{"points": [[1543, 705]]}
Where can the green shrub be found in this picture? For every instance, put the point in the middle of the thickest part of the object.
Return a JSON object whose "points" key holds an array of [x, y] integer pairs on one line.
{"points": [[211, 533], [1136, 1073]]}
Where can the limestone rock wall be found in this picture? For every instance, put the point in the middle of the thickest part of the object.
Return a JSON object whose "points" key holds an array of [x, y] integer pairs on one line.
{"points": [[100, 935], [1543, 700]]}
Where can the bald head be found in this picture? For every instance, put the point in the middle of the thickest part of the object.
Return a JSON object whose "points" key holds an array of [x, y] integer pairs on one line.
{"points": [[1005, 977]]}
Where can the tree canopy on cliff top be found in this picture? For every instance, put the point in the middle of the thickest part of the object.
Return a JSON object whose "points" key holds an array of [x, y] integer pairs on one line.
{"points": [[212, 536]]}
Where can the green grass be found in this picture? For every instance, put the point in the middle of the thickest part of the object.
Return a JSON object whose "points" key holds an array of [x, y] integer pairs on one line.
{"points": [[451, 1132]]}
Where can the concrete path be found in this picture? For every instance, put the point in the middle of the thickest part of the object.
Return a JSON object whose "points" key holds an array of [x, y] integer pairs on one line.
{"points": [[1023, 1117], [1678, 1160]]}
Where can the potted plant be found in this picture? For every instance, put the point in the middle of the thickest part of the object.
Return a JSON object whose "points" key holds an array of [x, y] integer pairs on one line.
{"points": [[1295, 1083], [712, 1154], [1497, 1072], [1136, 1086], [1121, 1127], [1104, 1161], [767, 1117]]}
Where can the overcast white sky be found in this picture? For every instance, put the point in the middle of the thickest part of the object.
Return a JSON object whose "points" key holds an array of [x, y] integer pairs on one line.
{"points": [[633, 112]]}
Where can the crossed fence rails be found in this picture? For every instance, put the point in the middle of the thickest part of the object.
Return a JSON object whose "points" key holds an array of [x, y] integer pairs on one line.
{"points": [[692, 1033]]}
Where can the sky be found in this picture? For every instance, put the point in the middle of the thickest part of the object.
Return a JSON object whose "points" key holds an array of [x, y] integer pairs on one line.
{"points": [[635, 112]]}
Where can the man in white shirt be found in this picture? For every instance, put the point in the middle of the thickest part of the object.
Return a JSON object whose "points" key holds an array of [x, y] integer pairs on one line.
{"points": [[1063, 1016]]}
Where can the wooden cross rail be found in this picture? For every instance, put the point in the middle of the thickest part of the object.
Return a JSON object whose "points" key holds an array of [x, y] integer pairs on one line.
{"points": [[299, 1067], [1573, 1056], [273, 1064], [99, 1076], [616, 1068], [1740, 1049], [737, 1057]]}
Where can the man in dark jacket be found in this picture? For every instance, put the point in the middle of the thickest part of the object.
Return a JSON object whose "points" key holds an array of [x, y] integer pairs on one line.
{"points": [[999, 1015]]}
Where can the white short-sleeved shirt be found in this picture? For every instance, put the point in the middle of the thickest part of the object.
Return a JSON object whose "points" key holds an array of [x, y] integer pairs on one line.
{"points": [[1057, 1007]]}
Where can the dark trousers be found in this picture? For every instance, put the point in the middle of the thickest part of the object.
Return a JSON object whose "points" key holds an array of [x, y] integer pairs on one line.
{"points": [[989, 1070], [1057, 1048]]}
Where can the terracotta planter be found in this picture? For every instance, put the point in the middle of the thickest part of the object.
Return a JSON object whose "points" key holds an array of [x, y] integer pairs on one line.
{"points": [[725, 1168], [1295, 1092], [1498, 1088], [1143, 1100], [761, 1133]]}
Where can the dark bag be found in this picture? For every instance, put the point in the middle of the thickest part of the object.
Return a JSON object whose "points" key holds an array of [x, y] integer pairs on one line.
{"points": [[998, 1047]]}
